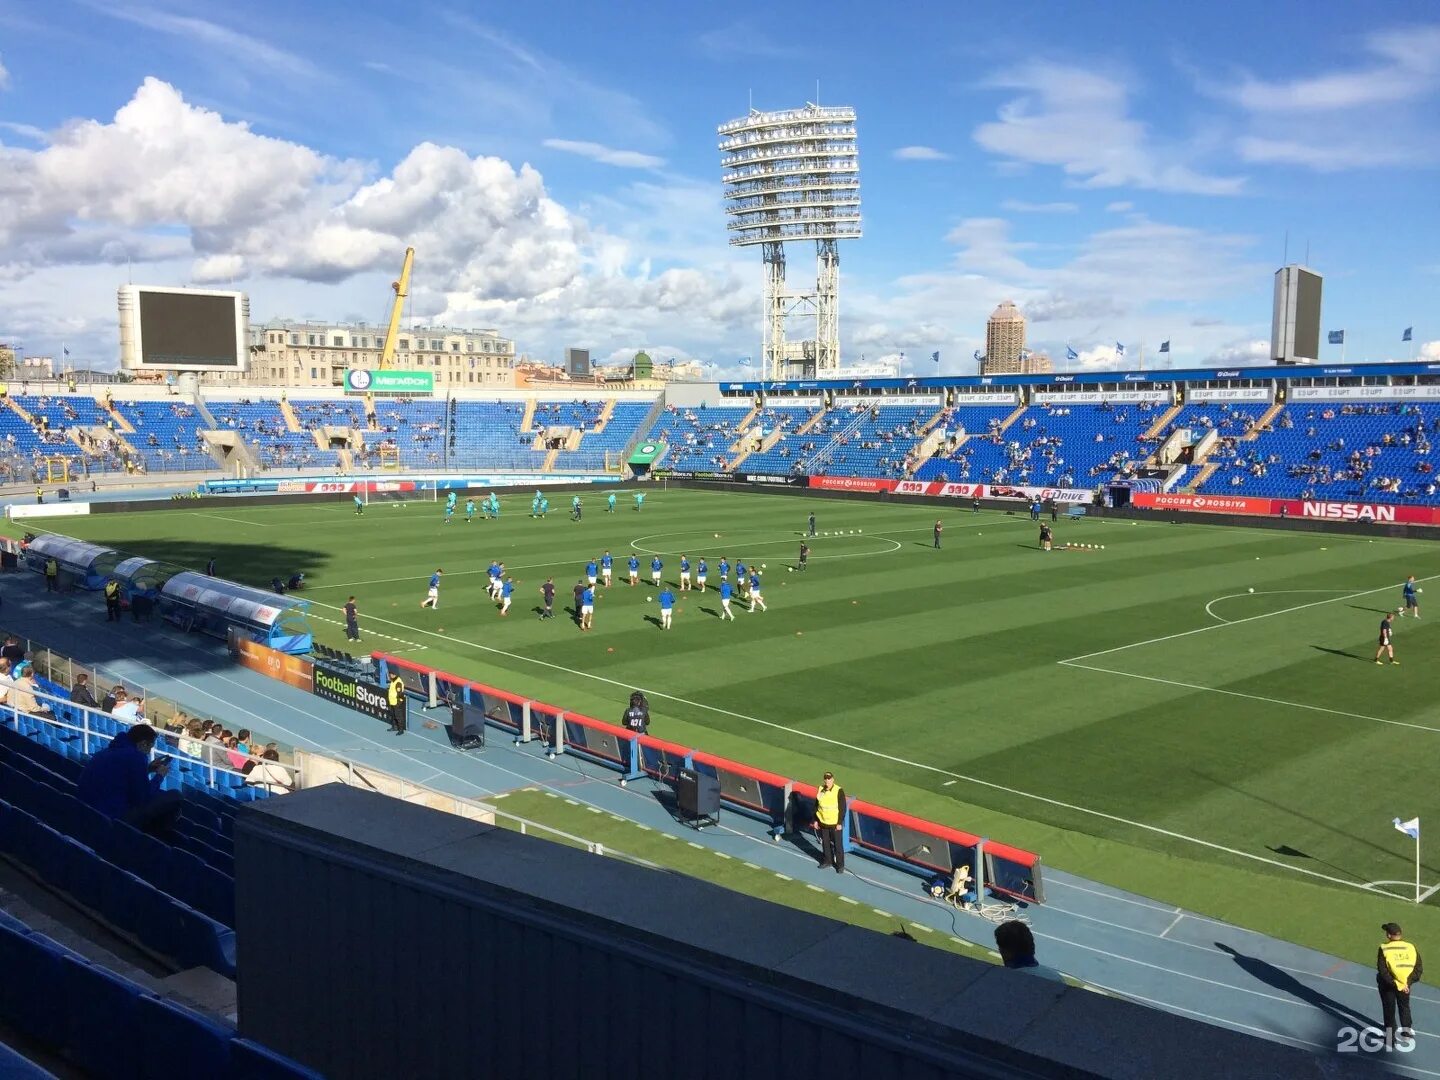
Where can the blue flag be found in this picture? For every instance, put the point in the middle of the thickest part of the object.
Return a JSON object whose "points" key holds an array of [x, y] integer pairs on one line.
{"points": [[1337, 337], [67, 351], [1119, 349], [935, 356], [1164, 346], [744, 361], [977, 356], [1071, 354], [1409, 334]]}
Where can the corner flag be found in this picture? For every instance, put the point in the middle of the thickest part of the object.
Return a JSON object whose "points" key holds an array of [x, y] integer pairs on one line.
{"points": [[1410, 828]]}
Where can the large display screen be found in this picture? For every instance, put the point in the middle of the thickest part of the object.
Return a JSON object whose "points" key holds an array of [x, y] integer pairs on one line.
{"points": [[189, 330]]}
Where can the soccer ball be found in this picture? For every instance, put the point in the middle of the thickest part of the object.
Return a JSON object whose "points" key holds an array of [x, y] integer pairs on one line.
{"points": [[648, 599], [763, 565], [789, 569], [717, 536], [1251, 590]]}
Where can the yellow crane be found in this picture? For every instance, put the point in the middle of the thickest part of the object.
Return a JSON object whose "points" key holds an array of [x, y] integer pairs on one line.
{"points": [[397, 309], [402, 290]]}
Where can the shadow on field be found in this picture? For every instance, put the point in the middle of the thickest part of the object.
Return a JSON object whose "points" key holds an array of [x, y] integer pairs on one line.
{"points": [[1300, 815], [1279, 979], [1362, 607], [710, 611], [1288, 852], [1341, 652], [653, 620], [250, 564]]}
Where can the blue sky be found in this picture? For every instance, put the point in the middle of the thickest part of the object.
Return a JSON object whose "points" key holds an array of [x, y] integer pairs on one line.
{"points": [[1126, 177]]}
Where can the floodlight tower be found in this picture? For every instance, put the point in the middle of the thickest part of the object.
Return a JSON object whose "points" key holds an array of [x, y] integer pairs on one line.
{"points": [[794, 175]]}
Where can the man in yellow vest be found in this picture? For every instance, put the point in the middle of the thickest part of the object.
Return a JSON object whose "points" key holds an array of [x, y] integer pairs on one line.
{"points": [[52, 575], [112, 600], [829, 811], [1397, 969], [395, 697]]}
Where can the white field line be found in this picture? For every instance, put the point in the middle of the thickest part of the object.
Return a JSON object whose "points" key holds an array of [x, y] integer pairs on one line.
{"points": [[373, 633], [867, 751], [1238, 622], [1252, 697], [1263, 592]]}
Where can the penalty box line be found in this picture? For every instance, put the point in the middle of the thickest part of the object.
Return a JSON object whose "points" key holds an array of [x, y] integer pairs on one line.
{"points": [[1073, 660]]}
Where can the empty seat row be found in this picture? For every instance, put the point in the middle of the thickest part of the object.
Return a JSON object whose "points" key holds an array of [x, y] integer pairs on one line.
{"points": [[133, 906], [107, 1025]]}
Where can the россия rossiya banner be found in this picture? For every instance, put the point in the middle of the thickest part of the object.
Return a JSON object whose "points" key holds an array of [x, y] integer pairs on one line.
{"points": [[1315, 509]]}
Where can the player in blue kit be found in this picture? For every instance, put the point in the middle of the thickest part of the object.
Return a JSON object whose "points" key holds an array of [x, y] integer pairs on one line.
{"points": [[450, 499], [684, 573], [610, 503], [655, 567], [587, 608], [667, 605], [449, 511], [469, 511], [742, 578], [725, 593], [535, 505], [724, 569], [702, 571], [359, 506], [591, 572], [544, 507], [634, 564], [639, 501], [507, 592], [607, 566], [492, 575], [432, 596], [1411, 595], [755, 597]]}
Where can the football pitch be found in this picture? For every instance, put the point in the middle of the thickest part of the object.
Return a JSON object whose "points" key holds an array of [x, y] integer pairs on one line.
{"points": [[1188, 711]]}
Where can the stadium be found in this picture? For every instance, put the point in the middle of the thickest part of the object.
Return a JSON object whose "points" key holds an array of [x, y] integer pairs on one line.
{"points": [[391, 699]]}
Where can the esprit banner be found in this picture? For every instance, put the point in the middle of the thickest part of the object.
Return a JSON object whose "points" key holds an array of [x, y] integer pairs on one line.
{"points": [[290, 670]]}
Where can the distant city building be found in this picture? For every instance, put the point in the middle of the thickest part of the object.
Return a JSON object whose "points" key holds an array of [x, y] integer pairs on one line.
{"points": [[32, 367], [1295, 325], [319, 354], [1005, 352], [644, 373]]}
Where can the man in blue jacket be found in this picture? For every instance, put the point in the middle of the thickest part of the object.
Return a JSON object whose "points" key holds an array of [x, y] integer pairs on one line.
{"points": [[122, 782]]}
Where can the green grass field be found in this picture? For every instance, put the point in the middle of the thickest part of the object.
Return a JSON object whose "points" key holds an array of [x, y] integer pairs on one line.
{"points": [[1234, 752]]}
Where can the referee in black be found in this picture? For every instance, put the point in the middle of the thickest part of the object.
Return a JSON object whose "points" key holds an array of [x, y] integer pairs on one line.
{"points": [[352, 620]]}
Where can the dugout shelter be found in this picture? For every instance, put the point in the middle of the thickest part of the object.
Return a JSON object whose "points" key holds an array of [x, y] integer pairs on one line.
{"points": [[214, 606]]}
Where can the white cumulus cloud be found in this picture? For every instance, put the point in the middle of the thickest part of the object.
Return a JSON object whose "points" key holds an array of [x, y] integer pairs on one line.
{"points": [[1080, 121], [4, 75]]}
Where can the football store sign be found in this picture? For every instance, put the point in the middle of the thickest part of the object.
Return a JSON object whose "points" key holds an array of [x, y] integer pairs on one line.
{"points": [[363, 697], [366, 381]]}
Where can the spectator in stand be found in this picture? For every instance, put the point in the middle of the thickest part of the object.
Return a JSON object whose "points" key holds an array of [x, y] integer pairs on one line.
{"points": [[80, 692], [12, 650], [22, 696], [122, 782], [265, 771], [113, 698], [129, 710]]}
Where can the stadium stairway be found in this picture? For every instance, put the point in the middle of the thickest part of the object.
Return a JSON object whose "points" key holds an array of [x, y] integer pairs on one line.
{"points": [[1019, 412], [16, 408], [1163, 421], [603, 420], [121, 423], [292, 422], [527, 421]]}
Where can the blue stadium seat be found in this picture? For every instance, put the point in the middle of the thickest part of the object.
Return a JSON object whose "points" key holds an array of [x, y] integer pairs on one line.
{"points": [[255, 1062], [16, 1066], [179, 1042], [101, 1010], [31, 963]]}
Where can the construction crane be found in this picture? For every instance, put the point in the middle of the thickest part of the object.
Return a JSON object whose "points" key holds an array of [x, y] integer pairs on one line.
{"points": [[402, 290], [397, 309]]}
